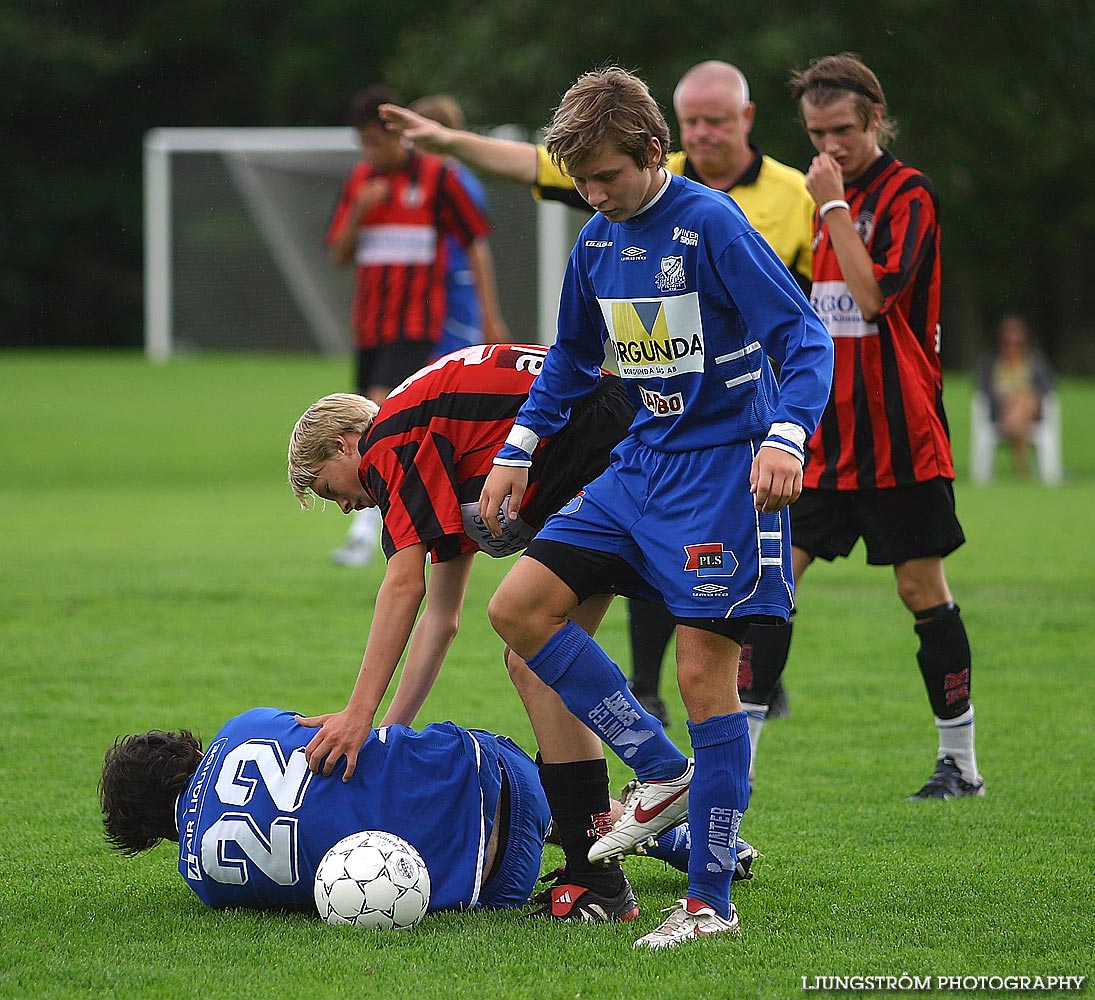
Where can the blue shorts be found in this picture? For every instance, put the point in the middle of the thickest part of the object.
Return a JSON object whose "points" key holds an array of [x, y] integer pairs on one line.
{"points": [[529, 823], [686, 522]]}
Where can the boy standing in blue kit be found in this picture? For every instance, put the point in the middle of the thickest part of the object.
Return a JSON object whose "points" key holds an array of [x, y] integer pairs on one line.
{"points": [[692, 510]]}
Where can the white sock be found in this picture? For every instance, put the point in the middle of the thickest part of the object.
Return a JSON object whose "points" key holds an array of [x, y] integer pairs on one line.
{"points": [[956, 740], [757, 716], [365, 527]]}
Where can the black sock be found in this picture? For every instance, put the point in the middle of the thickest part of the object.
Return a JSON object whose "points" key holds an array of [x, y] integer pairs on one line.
{"points": [[763, 657], [944, 658], [577, 794], [652, 627]]}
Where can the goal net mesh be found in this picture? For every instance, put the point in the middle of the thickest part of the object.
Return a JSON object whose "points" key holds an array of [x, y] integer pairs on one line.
{"points": [[235, 257]]}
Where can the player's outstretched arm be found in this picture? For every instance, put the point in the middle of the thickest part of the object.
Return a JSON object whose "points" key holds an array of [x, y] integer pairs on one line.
{"points": [[432, 637], [343, 734], [515, 161]]}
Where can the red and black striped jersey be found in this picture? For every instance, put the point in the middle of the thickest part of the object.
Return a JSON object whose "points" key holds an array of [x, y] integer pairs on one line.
{"points": [[399, 293], [884, 425], [434, 440]]}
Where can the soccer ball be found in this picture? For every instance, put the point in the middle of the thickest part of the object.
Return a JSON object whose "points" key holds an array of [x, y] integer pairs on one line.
{"points": [[372, 879]]}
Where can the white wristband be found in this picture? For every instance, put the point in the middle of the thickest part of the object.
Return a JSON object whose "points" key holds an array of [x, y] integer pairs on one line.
{"points": [[523, 438], [792, 432], [830, 205]]}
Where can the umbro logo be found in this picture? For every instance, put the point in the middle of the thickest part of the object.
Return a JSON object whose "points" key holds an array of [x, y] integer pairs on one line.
{"points": [[709, 590], [633, 253]]}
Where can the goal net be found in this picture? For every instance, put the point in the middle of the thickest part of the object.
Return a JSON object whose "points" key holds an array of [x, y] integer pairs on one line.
{"points": [[234, 251]]}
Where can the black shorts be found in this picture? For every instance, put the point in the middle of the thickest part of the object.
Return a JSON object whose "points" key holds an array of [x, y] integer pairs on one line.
{"points": [[580, 452], [590, 571], [389, 364], [906, 522]]}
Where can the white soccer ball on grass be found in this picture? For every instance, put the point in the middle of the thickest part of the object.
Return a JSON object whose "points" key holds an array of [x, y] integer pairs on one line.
{"points": [[372, 879]]}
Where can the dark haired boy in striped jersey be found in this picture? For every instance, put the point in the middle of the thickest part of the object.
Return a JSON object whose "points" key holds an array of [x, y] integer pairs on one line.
{"points": [[880, 464]]}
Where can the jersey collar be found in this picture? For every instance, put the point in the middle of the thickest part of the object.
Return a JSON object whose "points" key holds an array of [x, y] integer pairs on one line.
{"points": [[750, 176], [872, 173]]}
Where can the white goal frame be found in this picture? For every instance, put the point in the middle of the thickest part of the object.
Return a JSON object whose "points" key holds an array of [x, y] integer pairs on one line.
{"points": [[555, 229]]}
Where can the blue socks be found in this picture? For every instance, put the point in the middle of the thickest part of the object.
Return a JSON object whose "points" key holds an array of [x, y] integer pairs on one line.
{"points": [[673, 847], [717, 800], [596, 691]]}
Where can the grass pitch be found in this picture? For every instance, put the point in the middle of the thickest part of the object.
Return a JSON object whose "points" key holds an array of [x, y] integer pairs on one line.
{"points": [[156, 573]]}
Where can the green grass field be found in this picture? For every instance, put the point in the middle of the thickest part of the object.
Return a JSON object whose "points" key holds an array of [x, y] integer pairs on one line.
{"points": [[157, 573]]}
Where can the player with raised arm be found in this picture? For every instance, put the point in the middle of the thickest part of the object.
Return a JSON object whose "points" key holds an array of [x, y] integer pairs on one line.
{"points": [[693, 509]]}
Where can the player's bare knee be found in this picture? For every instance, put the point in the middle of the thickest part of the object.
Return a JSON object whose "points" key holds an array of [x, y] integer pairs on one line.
{"points": [[500, 613], [914, 594], [690, 678]]}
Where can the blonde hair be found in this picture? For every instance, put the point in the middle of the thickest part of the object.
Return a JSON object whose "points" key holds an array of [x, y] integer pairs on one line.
{"points": [[607, 106], [312, 442]]}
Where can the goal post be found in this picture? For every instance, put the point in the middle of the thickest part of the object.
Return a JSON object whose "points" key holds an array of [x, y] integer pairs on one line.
{"points": [[234, 251]]}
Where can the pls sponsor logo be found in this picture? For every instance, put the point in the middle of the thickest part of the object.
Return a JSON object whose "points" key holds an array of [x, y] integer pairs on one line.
{"points": [[709, 559], [571, 506]]}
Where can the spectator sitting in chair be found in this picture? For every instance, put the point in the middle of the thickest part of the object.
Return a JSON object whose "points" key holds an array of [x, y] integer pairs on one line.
{"points": [[1015, 380]]}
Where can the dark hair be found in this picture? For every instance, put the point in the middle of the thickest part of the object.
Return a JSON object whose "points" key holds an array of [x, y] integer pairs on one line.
{"points": [[830, 78], [364, 108], [143, 775]]}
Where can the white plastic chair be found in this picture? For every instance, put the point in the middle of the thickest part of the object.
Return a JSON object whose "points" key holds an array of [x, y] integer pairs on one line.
{"points": [[1046, 438]]}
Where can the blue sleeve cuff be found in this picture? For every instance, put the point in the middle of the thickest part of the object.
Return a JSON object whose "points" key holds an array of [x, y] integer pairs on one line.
{"points": [[510, 454], [784, 445]]}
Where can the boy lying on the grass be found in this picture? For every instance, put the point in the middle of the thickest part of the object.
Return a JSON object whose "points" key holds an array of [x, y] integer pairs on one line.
{"points": [[253, 821]]}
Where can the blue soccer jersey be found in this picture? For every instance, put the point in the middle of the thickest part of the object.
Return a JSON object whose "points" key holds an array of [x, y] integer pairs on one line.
{"points": [[254, 822], [691, 302]]}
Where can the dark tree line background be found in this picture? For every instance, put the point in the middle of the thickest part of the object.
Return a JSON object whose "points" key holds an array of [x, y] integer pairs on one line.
{"points": [[995, 101]]}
